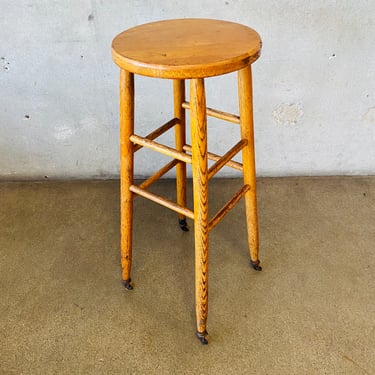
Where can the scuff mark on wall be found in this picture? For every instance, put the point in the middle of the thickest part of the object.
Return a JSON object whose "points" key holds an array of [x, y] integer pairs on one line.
{"points": [[4, 64], [369, 116], [288, 114], [88, 123], [63, 132]]}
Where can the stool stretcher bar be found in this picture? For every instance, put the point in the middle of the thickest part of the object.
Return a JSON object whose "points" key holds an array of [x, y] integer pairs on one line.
{"points": [[226, 158], [185, 211], [218, 114], [158, 174], [162, 201], [158, 147], [221, 213], [159, 131], [211, 156]]}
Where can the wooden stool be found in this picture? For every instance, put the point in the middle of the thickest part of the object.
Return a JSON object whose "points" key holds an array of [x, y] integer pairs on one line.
{"points": [[188, 49]]}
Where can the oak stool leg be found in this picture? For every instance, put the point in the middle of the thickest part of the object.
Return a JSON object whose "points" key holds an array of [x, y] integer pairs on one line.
{"points": [[248, 159], [126, 172], [200, 192], [180, 140]]}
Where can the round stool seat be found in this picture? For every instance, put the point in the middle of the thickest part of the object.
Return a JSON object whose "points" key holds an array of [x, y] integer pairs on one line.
{"points": [[186, 48]]}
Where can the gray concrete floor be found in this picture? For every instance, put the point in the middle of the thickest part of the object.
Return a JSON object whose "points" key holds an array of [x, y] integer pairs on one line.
{"points": [[310, 311]]}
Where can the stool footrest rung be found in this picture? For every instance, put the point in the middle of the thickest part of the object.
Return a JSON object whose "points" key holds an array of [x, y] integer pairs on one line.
{"points": [[162, 201], [226, 158], [158, 132], [215, 157], [218, 114], [158, 147], [158, 174], [221, 213]]}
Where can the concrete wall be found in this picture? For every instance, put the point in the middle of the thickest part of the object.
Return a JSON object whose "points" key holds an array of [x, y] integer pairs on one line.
{"points": [[314, 85]]}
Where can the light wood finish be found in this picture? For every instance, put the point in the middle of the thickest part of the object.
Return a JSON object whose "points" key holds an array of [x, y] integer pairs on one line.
{"points": [[162, 201], [180, 140], [200, 193], [245, 94], [158, 132], [223, 211], [158, 147], [226, 158], [161, 172], [186, 48], [126, 169], [215, 157], [218, 114]]}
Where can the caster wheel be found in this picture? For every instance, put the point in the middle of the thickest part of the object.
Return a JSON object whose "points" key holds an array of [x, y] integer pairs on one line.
{"points": [[127, 285], [183, 225], [202, 337], [256, 265]]}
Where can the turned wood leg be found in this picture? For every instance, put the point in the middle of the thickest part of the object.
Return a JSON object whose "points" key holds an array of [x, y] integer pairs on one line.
{"points": [[200, 191], [126, 171], [180, 139], [248, 159]]}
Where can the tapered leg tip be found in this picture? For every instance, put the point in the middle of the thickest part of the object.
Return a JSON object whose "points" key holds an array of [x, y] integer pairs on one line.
{"points": [[256, 265], [202, 337], [127, 284], [183, 225]]}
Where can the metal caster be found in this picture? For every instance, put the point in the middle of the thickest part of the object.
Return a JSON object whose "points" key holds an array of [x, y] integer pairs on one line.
{"points": [[255, 265], [127, 284], [202, 337], [183, 225]]}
